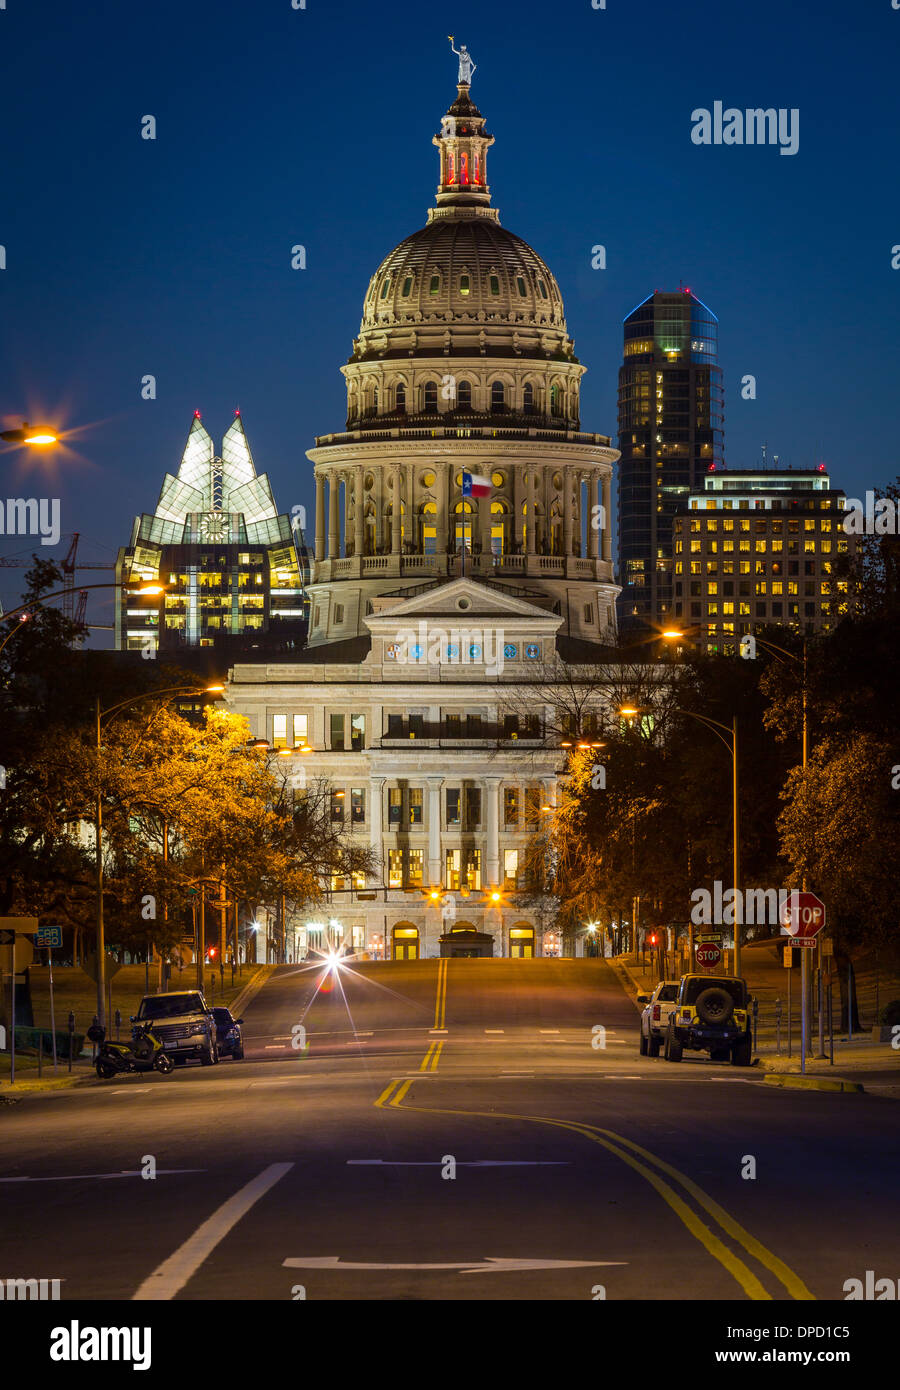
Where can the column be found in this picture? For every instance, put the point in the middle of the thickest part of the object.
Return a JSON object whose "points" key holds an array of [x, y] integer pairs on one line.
{"points": [[484, 523], [395, 504], [434, 831], [593, 531], [492, 789], [320, 517], [359, 518], [531, 497], [515, 498], [606, 488], [567, 514], [376, 804], [334, 525], [379, 510], [441, 526]]}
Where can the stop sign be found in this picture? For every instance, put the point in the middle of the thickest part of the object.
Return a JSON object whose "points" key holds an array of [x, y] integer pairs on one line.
{"points": [[708, 955], [803, 914]]}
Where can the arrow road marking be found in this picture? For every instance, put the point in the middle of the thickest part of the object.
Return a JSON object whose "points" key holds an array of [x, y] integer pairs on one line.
{"points": [[125, 1173], [492, 1264]]}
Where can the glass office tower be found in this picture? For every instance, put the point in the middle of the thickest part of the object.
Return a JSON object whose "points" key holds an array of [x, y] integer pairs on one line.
{"points": [[670, 434]]}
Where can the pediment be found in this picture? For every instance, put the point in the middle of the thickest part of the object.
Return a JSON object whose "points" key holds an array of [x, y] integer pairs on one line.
{"points": [[463, 601]]}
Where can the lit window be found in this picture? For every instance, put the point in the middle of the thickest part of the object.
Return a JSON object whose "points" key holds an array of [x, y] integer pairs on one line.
{"points": [[464, 284], [279, 730]]}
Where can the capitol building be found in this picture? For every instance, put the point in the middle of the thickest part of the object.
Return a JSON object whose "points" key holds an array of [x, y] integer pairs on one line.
{"points": [[462, 551]]}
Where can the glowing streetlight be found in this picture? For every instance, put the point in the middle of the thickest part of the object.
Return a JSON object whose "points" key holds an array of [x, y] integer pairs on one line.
{"points": [[30, 434]]}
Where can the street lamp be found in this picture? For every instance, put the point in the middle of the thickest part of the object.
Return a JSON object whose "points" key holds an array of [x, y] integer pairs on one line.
{"points": [[30, 434], [730, 739]]}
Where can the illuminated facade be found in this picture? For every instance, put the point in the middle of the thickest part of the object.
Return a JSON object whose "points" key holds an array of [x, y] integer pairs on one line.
{"points": [[436, 621], [230, 565], [670, 433], [757, 547], [463, 362]]}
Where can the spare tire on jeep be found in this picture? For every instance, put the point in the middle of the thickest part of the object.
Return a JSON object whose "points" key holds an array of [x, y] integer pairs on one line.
{"points": [[714, 1005]]}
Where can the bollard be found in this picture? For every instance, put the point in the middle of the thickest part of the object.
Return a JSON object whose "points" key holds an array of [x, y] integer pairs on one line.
{"points": [[71, 1037], [118, 1022], [778, 1027], [755, 1024], [40, 1054], [94, 1024]]}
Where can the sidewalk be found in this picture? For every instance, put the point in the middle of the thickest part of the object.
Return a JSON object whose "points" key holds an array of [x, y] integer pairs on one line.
{"points": [[860, 1057]]}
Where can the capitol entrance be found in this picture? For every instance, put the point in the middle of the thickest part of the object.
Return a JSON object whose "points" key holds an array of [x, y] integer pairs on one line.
{"points": [[406, 942]]}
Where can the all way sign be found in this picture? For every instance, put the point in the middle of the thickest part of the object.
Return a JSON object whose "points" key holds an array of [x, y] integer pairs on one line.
{"points": [[491, 1265]]}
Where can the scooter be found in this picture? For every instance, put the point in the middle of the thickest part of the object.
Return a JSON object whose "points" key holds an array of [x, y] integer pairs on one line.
{"points": [[146, 1053]]}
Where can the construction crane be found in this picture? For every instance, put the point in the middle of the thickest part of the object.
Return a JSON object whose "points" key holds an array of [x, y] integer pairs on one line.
{"points": [[68, 567]]}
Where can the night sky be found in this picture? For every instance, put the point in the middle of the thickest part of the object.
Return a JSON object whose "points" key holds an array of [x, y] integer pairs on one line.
{"points": [[278, 126]]}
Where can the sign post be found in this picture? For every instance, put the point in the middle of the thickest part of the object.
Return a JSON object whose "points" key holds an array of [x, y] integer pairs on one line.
{"points": [[803, 916], [50, 938]]}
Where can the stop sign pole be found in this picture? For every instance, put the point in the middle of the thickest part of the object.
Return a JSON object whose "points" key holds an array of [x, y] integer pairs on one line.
{"points": [[804, 916]]}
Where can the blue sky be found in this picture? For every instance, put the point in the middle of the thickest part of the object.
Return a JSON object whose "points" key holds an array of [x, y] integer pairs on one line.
{"points": [[278, 126]]}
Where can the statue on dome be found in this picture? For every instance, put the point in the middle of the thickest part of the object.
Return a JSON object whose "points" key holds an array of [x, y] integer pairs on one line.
{"points": [[466, 66]]}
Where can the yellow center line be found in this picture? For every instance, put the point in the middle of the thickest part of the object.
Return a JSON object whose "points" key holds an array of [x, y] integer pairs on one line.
{"points": [[741, 1272], [423, 1065], [437, 1056]]}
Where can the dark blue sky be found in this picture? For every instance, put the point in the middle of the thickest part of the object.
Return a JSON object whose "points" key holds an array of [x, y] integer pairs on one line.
{"points": [[279, 126]]}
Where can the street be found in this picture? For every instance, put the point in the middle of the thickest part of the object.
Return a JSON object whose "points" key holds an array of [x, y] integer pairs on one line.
{"points": [[455, 1130]]}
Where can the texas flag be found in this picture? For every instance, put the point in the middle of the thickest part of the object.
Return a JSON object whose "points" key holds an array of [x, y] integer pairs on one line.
{"points": [[473, 486]]}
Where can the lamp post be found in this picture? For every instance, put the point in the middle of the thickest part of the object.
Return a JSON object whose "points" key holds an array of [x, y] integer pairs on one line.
{"points": [[730, 739], [39, 435]]}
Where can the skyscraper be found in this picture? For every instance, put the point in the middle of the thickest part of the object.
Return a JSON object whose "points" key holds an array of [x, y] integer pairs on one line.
{"points": [[670, 433], [228, 564]]}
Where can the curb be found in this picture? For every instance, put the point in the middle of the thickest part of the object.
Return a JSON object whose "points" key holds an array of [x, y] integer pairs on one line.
{"points": [[812, 1083]]}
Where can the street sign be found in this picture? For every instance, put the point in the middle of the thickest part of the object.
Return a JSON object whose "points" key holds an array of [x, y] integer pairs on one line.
{"points": [[803, 914], [708, 955], [827, 945], [89, 966], [808, 941], [788, 957], [705, 935], [50, 937]]}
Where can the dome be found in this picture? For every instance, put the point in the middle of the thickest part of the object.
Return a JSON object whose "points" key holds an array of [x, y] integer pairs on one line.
{"points": [[465, 268], [463, 284]]}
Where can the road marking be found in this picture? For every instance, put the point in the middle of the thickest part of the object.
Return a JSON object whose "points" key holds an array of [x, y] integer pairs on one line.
{"points": [[613, 1077], [510, 1075], [439, 1030], [620, 1147], [440, 1003], [172, 1275], [548, 1030], [274, 1047], [124, 1173], [492, 1264], [495, 1030], [281, 1081], [424, 1064]]}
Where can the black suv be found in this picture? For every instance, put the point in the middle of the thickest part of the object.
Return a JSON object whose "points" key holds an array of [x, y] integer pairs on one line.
{"points": [[184, 1023], [711, 1014]]}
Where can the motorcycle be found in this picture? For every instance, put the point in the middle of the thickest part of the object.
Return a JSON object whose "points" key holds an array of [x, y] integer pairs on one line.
{"points": [[145, 1053]]}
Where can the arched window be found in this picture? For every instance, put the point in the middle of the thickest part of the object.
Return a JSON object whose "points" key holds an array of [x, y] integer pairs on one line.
{"points": [[555, 399], [464, 284], [375, 400], [477, 169], [464, 395], [401, 398], [385, 288], [528, 397], [429, 395], [543, 289], [407, 287], [428, 529], [451, 171], [434, 284], [520, 283], [494, 281], [498, 396], [463, 167]]}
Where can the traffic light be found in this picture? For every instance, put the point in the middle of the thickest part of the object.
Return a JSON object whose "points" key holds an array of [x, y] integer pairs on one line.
{"points": [[653, 939]]}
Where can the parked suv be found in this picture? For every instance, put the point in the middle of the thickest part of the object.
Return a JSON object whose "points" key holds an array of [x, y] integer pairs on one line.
{"points": [[655, 1018], [711, 1014], [184, 1022]]}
